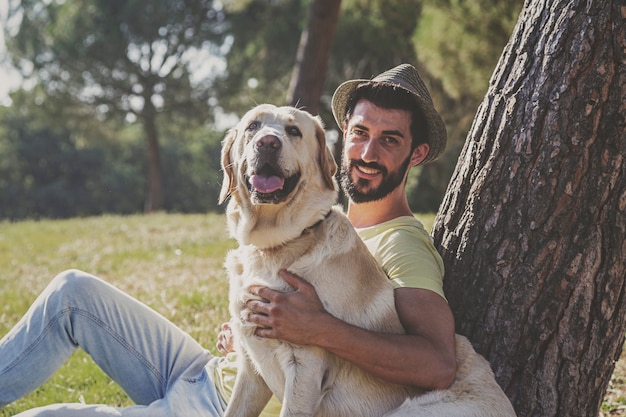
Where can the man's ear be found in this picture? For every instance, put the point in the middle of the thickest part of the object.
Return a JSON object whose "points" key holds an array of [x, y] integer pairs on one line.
{"points": [[419, 154]]}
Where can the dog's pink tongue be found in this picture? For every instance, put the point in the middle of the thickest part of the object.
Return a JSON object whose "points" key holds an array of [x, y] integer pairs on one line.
{"points": [[266, 185]]}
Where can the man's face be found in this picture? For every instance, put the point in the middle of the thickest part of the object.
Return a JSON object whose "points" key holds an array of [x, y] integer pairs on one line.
{"points": [[377, 152]]}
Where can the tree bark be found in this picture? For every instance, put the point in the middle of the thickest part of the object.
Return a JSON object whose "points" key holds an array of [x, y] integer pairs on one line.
{"points": [[309, 73], [533, 226], [154, 198]]}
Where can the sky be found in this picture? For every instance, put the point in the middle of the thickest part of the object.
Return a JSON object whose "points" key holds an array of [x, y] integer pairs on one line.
{"points": [[9, 77]]}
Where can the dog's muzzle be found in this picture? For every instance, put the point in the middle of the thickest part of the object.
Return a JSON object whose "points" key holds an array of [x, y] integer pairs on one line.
{"points": [[269, 184]]}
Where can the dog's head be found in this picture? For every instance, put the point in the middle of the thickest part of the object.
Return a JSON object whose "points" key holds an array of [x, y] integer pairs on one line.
{"points": [[277, 170]]}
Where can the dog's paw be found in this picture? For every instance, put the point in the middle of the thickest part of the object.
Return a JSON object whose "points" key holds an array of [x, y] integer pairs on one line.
{"points": [[246, 296]]}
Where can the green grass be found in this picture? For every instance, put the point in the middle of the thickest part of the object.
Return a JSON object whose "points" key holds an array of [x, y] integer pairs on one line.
{"points": [[614, 403], [171, 262]]}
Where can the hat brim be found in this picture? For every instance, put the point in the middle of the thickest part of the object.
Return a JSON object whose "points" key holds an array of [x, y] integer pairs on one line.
{"points": [[437, 135]]}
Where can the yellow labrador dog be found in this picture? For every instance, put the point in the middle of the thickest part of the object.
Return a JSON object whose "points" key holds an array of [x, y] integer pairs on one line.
{"points": [[279, 176]]}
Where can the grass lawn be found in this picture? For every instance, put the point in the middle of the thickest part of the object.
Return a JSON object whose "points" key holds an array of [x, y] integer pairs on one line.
{"points": [[171, 262]]}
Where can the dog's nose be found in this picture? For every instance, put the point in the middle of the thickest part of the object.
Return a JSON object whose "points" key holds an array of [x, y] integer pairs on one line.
{"points": [[268, 143]]}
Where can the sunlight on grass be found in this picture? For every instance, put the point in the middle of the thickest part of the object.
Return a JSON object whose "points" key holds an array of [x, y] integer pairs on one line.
{"points": [[173, 263], [614, 403]]}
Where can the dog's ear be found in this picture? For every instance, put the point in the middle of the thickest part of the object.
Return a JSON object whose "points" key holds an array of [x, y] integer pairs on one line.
{"points": [[228, 183], [326, 159]]}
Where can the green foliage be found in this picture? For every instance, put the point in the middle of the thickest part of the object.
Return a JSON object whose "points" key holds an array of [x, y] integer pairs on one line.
{"points": [[372, 35], [458, 45], [128, 58], [49, 170], [118, 55], [265, 34], [193, 174], [111, 50], [461, 41]]}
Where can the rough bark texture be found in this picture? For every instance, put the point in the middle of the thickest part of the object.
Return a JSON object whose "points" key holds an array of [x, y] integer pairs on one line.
{"points": [[154, 198], [533, 225], [309, 74]]}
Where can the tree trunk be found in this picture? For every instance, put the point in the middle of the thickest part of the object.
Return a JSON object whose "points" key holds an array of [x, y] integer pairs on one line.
{"points": [[533, 225], [154, 199], [309, 72]]}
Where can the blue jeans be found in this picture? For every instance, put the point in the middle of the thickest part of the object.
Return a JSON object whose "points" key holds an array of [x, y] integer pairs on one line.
{"points": [[160, 367]]}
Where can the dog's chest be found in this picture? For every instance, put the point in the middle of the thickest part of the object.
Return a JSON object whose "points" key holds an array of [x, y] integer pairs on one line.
{"points": [[261, 266]]}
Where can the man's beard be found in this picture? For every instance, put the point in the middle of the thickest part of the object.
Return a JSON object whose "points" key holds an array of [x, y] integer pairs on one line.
{"points": [[359, 192]]}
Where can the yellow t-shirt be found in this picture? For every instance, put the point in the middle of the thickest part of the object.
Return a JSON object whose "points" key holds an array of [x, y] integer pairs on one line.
{"points": [[407, 254], [405, 250]]}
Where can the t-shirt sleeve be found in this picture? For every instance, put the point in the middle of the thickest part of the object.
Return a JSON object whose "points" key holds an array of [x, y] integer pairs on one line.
{"points": [[410, 260]]}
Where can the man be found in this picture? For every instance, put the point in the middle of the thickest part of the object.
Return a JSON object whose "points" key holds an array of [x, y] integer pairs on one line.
{"points": [[388, 127]]}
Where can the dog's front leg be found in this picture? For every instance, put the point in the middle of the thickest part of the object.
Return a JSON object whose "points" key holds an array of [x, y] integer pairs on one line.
{"points": [[250, 393], [306, 382]]}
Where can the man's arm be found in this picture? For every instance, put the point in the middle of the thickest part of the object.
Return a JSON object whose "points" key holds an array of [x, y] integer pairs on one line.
{"points": [[424, 357]]}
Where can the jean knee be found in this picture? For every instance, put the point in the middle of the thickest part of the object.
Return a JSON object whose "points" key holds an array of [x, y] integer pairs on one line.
{"points": [[73, 283]]}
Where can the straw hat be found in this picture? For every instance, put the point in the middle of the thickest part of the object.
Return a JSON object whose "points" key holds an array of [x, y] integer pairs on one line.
{"points": [[404, 76]]}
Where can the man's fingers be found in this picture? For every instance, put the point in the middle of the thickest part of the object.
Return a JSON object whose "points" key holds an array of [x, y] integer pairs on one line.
{"points": [[265, 332], [257, 306], [265, 293], [292, 279]]}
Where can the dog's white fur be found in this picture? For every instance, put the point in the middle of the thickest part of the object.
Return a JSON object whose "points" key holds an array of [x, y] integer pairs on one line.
{"points": [[299, 231]]}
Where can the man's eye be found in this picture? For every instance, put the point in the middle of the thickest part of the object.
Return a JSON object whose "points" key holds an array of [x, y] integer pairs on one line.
{"points": [[253, 126], [391, 140], [293, 131]]}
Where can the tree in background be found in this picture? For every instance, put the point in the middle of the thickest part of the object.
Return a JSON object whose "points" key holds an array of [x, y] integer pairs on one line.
{"points": [[265, 36], [371, 36], [49, 169], [55, 165], [457, 38], [532, 227], [133, 58], [458, 45], [259, 43], [309, 72], [533, 223]]}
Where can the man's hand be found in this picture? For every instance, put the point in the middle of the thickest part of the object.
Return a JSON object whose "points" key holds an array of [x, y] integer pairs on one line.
{"points": [[294, 316], [423, 357], [225, 339]]}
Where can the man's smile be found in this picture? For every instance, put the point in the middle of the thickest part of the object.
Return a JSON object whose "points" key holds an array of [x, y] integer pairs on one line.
{"points": [[367, 171]]}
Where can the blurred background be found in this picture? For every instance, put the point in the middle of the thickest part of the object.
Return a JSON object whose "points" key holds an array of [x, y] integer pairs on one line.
{"points": [[119, 106]]}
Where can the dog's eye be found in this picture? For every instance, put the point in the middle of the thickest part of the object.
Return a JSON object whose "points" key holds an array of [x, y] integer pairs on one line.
{"points": [[293, 131], [253, 126]]}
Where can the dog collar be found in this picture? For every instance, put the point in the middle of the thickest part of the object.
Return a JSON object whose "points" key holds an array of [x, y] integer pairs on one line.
{"points": [[317, 223]]}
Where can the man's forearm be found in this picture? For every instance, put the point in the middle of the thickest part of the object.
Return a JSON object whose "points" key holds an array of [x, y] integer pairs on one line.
{"points": [[397, 358]]}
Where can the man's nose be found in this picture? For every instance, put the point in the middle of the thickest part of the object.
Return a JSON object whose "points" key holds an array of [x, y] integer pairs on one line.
{"points": [[369, 151]]}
